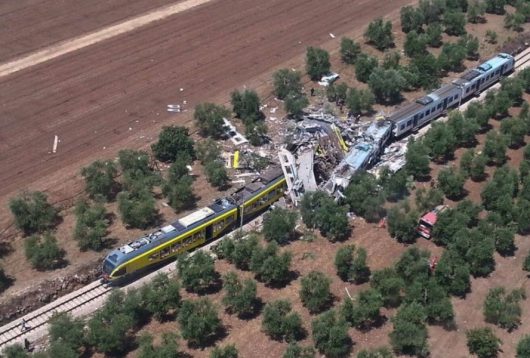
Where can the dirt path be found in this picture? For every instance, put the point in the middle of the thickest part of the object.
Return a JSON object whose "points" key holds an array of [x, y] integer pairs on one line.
{"points": [[65, 47]]}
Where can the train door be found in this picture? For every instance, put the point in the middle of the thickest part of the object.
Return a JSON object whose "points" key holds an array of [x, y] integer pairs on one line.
{"points": [[209, 232], [415, 121], [445, 103]]}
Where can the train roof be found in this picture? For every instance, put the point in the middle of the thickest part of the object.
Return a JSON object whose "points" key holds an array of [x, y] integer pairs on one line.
{"points": [[493, 63], [378, 130], [360, 154], [412, 107], [170, 231], [193, 220]]}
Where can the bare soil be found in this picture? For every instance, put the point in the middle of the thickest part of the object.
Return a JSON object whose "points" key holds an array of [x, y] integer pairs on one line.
{"points": [[112, 95]]}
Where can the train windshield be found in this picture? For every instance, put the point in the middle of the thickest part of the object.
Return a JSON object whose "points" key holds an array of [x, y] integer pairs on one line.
{"points": [[108, 267]]}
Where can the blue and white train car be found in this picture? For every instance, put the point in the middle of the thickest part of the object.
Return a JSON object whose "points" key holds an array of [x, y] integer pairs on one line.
{"points": [[483, 76], [416, 114]]}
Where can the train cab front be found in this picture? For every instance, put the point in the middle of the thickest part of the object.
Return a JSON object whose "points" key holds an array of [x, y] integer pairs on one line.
{"points": [[109, 272]]}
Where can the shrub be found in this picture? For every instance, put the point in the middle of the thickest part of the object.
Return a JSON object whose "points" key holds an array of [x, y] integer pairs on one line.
{"points": [[138, 209], [503, 309], [320, 211], [99, 178], [330, 335], [180, 193], [382, 352], [452, 183], [199, 321], [197, 272], [67, 329], [246, 106], [417, 160], [317, 63], [228, 351], [269, 267], [379, 33], [365, 197], [349, 50], [209, 118], [386, 85], [173, 142], [280, 323], [295, 351], [43, 252], [411, 19], [110, 333], [454, 23], [216, 174], [279, 225], [295, 104], [167, 349], [402, 224], [161, 296], [523, 347], [32, 212], [483, 342], [315, 293], [389, 284], [240, 297], [364, 67], [365, 311], [287, 81], [91, 226], [351, 264], [410, 334]]}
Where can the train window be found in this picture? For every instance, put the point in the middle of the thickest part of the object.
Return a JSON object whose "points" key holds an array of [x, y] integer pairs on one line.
{"points": [[467, 90], [428, 112], [439, 106], [175, 247], [154, 256], [456, 96], [401, 127], [164, 252], [409, 123]]}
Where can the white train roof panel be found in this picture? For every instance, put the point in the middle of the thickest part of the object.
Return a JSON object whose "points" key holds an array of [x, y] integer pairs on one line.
{"points": [[196, 216]]}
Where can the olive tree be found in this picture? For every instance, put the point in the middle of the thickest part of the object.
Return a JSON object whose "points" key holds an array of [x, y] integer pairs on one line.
{"points": [[199, 321], [315, 292], [317, 63], [279, 225], [99, 179], [32, 212]]}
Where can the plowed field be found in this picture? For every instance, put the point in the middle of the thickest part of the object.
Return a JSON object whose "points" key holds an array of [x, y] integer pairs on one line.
{"points": [[112, 95]]}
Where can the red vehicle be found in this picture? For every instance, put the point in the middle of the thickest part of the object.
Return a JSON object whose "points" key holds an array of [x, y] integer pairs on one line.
{"points": [[428, 220]]}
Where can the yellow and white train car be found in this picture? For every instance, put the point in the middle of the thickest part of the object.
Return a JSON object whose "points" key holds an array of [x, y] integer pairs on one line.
{"points": [[197, 228]]}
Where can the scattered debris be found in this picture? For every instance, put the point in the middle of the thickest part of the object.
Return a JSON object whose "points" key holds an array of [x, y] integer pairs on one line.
{"points": [[55, 142], [232, 133], [331, 35], [328, 79]]}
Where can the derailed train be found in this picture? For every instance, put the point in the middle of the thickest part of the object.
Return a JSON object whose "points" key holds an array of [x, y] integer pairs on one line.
{"points": [[415, 115], [209, 223], [202, 226]]}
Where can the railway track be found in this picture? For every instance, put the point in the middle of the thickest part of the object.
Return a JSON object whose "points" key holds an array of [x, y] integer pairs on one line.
{"points": [[38, 320]]}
